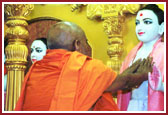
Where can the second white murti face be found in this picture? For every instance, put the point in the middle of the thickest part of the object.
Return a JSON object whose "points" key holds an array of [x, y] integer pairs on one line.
{"points": [[147, 26], [38, 50]]}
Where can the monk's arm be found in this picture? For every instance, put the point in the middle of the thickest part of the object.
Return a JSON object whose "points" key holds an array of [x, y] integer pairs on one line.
{"points": [[126, 81], [133, 76]]}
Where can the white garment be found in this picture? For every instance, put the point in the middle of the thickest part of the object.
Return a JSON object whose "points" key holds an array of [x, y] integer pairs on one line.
{"points": [[139, 98]]}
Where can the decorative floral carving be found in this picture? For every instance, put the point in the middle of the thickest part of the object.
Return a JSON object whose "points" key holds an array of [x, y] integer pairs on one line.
{"points": [[76, 6], [94, 11], [18, 9], [113, 25]]}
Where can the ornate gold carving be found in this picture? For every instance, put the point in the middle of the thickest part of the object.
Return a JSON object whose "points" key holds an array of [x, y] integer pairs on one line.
{"points": [[108, 10], [113, 26], [115, 50], [113, 15], [18, 9], [94, 11], [113, 20], [131, 8], [16, 22], [112, 9], [16, 53], [16, 50], [75, 7]]}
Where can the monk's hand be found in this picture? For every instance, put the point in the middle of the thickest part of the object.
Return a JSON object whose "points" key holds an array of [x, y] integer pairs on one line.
{"points": [[124, 77], [141, 74], [146, 65], [132, 77], [121, 80], [133, 68]]}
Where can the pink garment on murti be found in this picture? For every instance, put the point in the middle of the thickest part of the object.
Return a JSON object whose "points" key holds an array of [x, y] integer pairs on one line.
{"points": [[154, 78], [155, 98]]}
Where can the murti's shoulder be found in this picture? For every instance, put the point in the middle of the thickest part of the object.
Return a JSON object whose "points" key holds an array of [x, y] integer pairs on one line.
{"points": [[159, 48], [161, 45]]}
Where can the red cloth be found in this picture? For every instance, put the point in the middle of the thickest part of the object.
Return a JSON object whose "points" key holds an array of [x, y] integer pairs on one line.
{"points": [[75, 82], [155, 98], [5, 70]]}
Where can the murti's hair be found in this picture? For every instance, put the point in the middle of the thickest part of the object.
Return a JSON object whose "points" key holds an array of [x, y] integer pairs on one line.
{"points": [[5, 43], [44, 40], [159, 12]]}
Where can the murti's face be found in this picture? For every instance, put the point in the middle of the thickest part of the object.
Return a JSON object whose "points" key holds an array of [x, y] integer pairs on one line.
{"points": [[147, 26], [38, 50]]}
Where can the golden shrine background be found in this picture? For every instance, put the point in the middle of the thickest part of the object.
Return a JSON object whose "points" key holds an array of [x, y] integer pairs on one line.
{"points": [[93, 28], [94, 20]]}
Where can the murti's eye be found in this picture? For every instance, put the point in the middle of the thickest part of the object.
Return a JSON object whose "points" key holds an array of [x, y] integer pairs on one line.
{"points": [[147, 22], [31, 50], [137, 22], [39, 50]]}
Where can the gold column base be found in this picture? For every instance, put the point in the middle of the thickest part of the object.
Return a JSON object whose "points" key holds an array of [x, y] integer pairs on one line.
{"points": [[12, 95]]}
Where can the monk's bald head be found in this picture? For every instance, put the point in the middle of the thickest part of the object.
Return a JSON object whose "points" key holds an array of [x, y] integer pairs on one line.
{"points": [[67, 35]]}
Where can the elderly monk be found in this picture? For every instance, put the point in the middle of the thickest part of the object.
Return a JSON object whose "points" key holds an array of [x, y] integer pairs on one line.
{"points": [[67, 79]]}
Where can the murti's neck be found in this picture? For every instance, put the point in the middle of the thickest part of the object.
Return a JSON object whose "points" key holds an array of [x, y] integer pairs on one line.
{"points": [[149, 45]]}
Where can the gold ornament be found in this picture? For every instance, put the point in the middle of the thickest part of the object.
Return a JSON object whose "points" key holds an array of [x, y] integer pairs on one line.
{"points": [[16, 51], [75, 7], [18, 9]]}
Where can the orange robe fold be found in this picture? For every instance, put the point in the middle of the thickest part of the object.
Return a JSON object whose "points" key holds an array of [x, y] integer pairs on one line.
{"points": [[64, 81], [106, 103]]}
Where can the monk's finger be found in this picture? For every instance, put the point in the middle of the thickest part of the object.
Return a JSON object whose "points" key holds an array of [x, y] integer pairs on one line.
{"points": [[150, 63], [134, 67], [137, 62], [143, 62]]}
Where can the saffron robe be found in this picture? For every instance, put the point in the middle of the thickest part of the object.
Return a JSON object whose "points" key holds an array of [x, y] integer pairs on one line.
{"points": [[106, 103], [155, 98], [79, 82]]}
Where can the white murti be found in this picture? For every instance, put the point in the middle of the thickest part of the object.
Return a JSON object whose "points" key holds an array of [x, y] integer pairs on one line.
{"points": [[148, 31], [38, 50], [5, 76]]}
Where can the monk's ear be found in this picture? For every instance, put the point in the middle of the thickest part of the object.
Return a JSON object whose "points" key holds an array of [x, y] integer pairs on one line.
{"points": [[161, 28], [77, 45]]}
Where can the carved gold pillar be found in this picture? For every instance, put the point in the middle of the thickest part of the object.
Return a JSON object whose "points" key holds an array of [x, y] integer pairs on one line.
{"points": [[16, 50], [112, 24]]}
